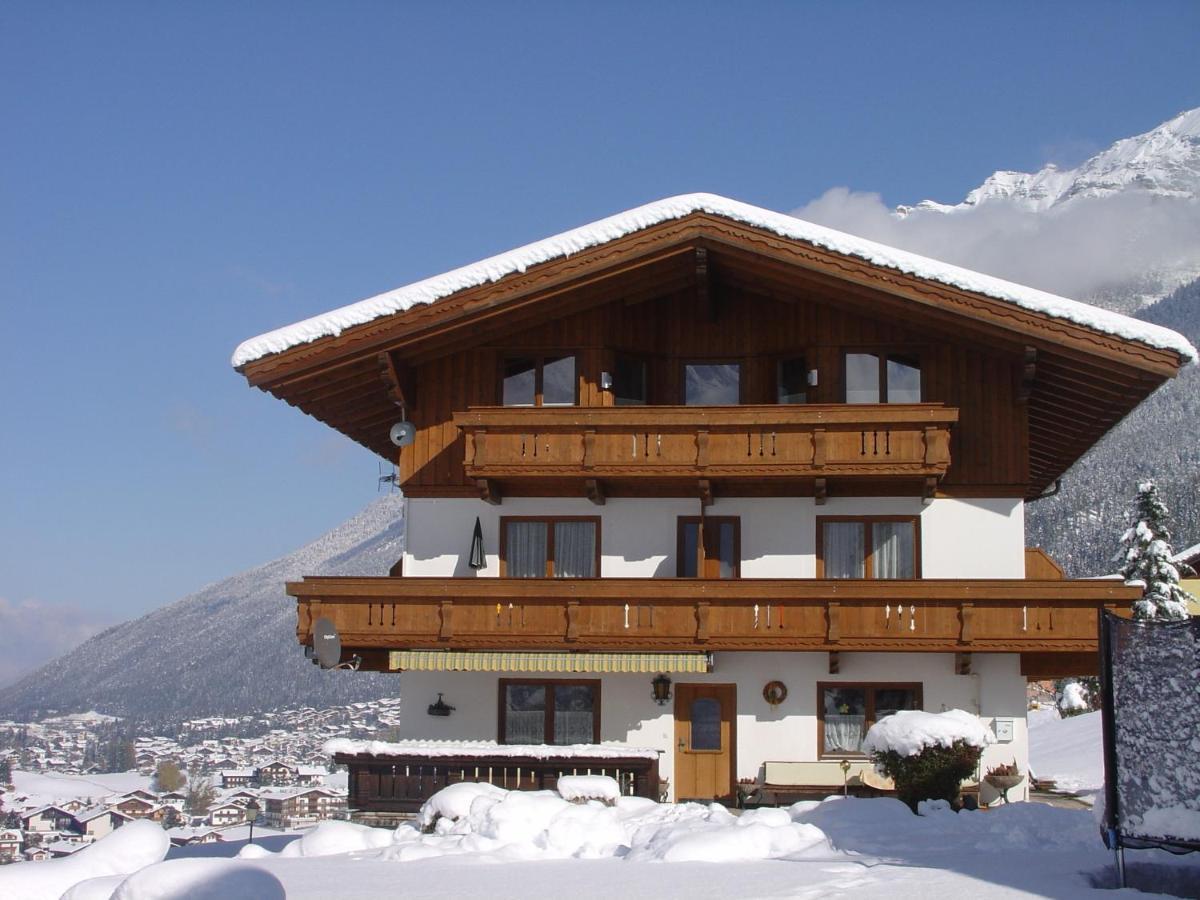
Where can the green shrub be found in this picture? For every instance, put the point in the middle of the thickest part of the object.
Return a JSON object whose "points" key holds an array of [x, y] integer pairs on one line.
{"points": [[933, 774]]}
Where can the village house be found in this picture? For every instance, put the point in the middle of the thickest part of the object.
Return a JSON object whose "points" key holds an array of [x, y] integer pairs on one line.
{"points": [[231, 778], [136, 806], [11, 842], [224, 814], [185, 836], [47, 819], [300, 807], [98, 821], [698, 493]]}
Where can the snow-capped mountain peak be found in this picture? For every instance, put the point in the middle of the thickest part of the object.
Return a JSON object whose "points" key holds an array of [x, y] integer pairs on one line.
{"points": [[1164, 161]]}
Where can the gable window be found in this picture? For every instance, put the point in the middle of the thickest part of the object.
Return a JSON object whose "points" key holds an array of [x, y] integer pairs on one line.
{"points": [[867, 547], [629, 381], [792, 381], [560, 547], [539, 381], [709, 547], [712, 384], [537, 711], [847, 711], [883, 378]]}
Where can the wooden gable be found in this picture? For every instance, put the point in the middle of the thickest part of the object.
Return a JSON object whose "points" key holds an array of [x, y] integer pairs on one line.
{"points": [[1034, 392]]}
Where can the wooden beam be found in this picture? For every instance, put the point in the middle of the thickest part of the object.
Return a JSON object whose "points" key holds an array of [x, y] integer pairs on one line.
{"points": [[928, 490], [706, 492], [835, 662], [1028, 374], [398, 380], [962, 663], [594, 488], [703, 286], [489, 491], [820, 491]]}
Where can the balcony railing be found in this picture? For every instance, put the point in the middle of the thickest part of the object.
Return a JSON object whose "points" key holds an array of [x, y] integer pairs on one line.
{"points": [[375, 615], [749, 442]]}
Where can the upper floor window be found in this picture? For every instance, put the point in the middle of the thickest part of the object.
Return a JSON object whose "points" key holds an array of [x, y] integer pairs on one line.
{"points": [[630, 381], [883, 378], [867, 547], [792, 380], [549, 547], [539, 380], [712, 384], [709, 547]]}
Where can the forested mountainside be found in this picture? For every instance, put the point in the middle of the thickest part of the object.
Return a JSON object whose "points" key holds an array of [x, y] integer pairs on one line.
{"points": [[1160, 439], [229, 649]]}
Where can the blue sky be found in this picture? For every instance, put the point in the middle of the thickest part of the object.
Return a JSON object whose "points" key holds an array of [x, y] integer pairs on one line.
{"points": [[178, 177]]}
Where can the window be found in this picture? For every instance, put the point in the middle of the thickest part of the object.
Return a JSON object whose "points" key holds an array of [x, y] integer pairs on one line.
{"points": [[538, 381], [792, 381], [712, 384], [629, 381], [847, 712], [706, 724], [867, 547], [709, 548], [535, 711], [562, 547], [883, 378]]}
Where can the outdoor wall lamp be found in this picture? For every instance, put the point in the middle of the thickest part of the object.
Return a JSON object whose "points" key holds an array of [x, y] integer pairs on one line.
{"points": [[660, 689]]}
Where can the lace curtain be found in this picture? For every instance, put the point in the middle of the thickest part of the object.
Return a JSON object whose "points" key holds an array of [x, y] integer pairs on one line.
{"points": [[844, 733]]}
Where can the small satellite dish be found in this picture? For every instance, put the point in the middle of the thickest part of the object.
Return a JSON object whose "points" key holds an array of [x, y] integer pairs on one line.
{"points": [[403, 434], [326, 644]]}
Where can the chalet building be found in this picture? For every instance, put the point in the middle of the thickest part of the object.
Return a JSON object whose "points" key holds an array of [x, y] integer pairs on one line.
{"points": [[47, 819], [299, 807], [712, 484], [136, 806], [98, 821], [226, 814], [231, 778], [11, 842]]}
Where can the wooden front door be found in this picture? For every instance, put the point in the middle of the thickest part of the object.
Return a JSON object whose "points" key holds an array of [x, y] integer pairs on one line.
{"points": [[705, 741]]}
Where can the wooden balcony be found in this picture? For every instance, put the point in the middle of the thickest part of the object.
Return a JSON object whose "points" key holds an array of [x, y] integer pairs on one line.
{"points": [[375, 615], [741, 443]]}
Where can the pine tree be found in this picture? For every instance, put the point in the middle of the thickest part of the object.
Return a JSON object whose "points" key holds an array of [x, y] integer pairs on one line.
{"points": [[1146, 557]]}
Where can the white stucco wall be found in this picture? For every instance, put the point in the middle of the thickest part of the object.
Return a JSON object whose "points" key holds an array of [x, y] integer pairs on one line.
{"points": [[788, 732], [960, 538]]}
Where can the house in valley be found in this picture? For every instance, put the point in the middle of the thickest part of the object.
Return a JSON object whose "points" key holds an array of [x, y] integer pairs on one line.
{"points": [[98, 821], [700, 488], [11, 842], [299, 807]]}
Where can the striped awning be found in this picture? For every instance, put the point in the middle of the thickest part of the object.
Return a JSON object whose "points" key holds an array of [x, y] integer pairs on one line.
{"points": [[560, 661]]}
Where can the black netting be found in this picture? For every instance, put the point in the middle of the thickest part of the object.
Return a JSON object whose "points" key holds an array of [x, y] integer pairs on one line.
{"points": [[1152, 731]]}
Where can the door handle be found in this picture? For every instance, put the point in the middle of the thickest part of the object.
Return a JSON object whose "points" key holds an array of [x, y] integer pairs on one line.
{"points": [[682, 744]]}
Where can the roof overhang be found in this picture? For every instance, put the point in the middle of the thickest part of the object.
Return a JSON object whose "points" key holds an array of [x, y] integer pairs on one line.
{"points": [[349, 368]]}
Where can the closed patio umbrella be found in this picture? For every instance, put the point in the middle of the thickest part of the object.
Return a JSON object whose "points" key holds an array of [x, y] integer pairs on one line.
{"points": [[477, 559]]}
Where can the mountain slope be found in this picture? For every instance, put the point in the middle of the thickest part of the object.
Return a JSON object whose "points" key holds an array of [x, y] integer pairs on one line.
{"points": [[228, 649]]}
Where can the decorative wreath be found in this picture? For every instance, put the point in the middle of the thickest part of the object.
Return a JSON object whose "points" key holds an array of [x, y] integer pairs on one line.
{"points": [[775, 692]]}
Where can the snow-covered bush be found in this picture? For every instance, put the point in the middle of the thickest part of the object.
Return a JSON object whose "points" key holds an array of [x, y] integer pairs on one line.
{"points": [[927, 755], [1075, 699]]}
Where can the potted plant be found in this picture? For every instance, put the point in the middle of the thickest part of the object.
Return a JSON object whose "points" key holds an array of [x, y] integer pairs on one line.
{"points": [[746, 789], [1004, 777]]}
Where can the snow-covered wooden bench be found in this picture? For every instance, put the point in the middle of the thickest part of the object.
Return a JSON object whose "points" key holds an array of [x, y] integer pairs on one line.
{"points": [[786, 782]]}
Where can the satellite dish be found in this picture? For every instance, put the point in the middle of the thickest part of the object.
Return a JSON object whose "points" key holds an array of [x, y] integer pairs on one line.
{"points": [[326, 644], [403, 434]]}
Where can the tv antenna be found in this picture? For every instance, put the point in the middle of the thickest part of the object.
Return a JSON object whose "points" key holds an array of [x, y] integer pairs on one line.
{"points": [[391, 477]]}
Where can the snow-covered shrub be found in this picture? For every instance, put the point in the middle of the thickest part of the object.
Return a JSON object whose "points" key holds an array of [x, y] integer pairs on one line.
{"points": [[927, 755], [1075, 699], [454, 802]]}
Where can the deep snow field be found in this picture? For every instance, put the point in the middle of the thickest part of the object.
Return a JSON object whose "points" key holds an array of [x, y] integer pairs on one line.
{"points": [[485, 842]]}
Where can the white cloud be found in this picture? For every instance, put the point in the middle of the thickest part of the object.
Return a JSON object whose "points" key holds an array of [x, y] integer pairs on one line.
{"points": [[33, 633], [1078, 249]]}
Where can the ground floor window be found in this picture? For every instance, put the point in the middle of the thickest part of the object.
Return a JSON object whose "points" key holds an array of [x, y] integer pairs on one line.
{"points": [[537, 711], [847, 711]]}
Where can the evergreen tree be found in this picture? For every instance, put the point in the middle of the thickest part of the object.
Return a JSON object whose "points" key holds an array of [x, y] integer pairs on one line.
{"points": [[1146, 557]]}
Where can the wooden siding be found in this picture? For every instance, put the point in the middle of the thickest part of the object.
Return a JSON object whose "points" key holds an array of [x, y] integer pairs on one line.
{"points": [[988, 445], [1015, 615]]}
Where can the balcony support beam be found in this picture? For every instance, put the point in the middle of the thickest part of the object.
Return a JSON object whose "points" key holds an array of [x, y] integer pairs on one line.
{"points": [[594, 488]]}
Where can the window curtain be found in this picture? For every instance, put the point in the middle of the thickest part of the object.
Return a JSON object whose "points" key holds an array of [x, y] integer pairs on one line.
{"points": [[894, 550], [525, 715], [575, 549], [525, 550], [843, 550], [844, 733]]}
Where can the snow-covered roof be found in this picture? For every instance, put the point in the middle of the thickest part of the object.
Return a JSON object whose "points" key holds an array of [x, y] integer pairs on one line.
{"points": [[1190, 553], [485, 748], [609, 229]]}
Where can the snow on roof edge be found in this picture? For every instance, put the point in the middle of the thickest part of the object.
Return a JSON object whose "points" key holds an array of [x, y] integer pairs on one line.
{"points": [[438, 287]]}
